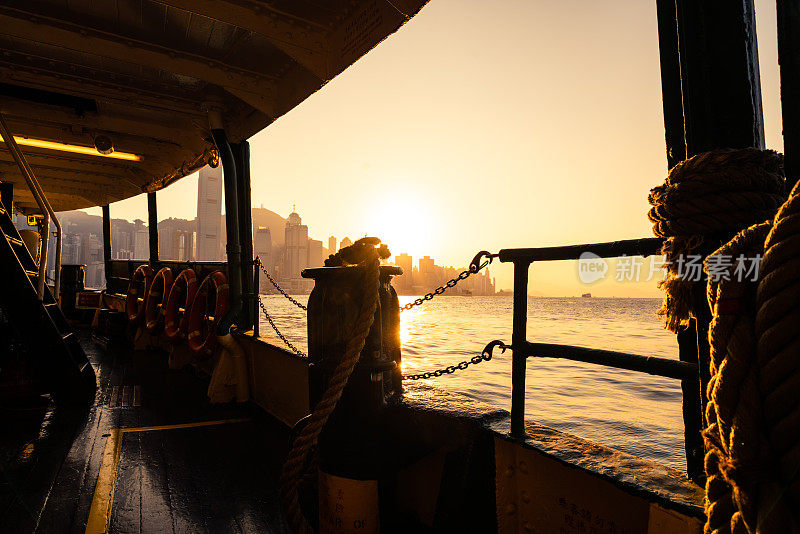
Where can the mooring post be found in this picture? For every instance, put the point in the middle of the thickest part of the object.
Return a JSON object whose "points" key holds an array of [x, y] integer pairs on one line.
{"points": [[152, 227]]}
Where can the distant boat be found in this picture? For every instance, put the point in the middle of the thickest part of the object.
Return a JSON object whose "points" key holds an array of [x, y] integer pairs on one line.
{"points": [[587, 295]]}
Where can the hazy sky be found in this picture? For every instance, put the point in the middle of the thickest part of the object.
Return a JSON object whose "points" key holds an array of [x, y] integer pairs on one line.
{"points": [[484, 125]]}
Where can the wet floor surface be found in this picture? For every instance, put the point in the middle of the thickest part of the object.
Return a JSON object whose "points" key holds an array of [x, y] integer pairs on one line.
{"points": [[174, 462]]}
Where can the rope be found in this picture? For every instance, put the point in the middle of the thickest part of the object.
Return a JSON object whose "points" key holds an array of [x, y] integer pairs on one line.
{"points": [[298, 458], [704, 201]]}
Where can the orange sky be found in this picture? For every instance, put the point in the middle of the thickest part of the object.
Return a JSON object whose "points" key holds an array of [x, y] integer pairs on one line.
{"points": [[484, 125]]}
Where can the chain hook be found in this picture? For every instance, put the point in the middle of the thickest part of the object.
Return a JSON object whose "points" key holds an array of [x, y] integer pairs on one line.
{"points": [[475, 265], [488, 349]]}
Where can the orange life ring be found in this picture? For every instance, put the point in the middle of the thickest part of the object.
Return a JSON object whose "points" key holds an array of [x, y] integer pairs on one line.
{"points": [[202, 325], [134, 306], [156, 299], [176, 319]]}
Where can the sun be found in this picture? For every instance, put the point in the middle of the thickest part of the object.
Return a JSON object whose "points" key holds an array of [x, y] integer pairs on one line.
{"points": [[403, 224]]}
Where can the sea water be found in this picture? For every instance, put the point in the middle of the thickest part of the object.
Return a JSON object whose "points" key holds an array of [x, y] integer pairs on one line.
{"points": [[629, 411]]}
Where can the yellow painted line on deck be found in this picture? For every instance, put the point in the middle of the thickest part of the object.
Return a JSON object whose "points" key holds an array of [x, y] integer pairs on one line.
{"points": [[100, 512]]}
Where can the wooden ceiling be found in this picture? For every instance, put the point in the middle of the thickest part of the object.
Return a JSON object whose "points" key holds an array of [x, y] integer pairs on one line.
{"points": [[146, 72]]}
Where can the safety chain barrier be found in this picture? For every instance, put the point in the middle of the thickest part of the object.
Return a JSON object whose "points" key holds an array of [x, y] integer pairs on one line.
{"points": [[484, 356], [474, 266], [280, 335], [279, 288]]}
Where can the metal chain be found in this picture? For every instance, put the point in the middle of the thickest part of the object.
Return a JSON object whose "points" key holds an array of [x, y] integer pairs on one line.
{"points": [[279, 288], [485, 356], [474, 266], [280, 335]]}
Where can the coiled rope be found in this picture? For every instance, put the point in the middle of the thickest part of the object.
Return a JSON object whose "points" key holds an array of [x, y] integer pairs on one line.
{"points": [[704, 201], [752, 437], [299, 457]]}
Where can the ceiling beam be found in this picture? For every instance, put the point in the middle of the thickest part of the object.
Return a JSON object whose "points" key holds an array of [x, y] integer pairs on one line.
{"points": [[181, 132], [302, 41], [37, 28]]}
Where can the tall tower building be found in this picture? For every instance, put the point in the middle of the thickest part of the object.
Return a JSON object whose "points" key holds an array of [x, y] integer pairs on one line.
{"points": [[332, 245], [346, 242], [209, 213], [404, 281], [296, 246], [315, 256]]}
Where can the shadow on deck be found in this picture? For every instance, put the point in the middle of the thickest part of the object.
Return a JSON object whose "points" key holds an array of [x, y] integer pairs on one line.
{"points": [[144, 451]]}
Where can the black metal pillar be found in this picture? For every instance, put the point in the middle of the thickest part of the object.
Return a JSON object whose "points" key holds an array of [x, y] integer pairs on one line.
{"points": [[712, 99], [241, 154], [152, 226], [518, 342], [789, 59], [7, 195], [232, 247], [107, 245]]}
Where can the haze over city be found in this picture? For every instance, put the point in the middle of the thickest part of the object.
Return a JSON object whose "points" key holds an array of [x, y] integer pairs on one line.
{"points": [[424, 144]]}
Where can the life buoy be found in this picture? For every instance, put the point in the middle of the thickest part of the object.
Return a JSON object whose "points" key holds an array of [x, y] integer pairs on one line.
{"points": [[156, 299], [202, 324], [134, 306], [176, 318]]}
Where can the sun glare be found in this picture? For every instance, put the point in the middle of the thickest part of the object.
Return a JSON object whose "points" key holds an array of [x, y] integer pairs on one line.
{"points": [[403, 225]]}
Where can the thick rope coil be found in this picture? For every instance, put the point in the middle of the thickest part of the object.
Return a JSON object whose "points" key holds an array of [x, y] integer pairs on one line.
{"points": [[298, 459], [753, 412], [705, 200]]}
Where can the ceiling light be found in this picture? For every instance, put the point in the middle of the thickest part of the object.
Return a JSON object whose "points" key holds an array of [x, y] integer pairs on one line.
{"points": [[77, 149]]}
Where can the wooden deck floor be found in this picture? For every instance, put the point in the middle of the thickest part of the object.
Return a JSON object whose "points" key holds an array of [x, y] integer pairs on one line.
{"points": [[150, 455]]}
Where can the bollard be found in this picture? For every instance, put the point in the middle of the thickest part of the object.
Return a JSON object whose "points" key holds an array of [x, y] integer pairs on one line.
{"points": [[350, 455]]}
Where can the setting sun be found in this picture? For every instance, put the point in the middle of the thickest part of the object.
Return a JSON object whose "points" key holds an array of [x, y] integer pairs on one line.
{"points": [[404, 223]]}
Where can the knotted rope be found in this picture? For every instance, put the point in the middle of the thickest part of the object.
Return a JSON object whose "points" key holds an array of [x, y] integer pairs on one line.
{"points": [[298, 459], [705, 200]]}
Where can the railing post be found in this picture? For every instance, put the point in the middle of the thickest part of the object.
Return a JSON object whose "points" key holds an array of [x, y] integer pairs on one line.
{"points": [[518, 339], [152, 221], [256, 286], [107, 245]]}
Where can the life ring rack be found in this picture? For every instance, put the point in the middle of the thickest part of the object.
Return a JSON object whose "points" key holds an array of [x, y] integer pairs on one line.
{"points": [[154, 307], [179, 303], [203, 343], [134, 308]]}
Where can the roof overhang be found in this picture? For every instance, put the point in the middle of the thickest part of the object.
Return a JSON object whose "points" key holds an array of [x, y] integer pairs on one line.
{"points": [[145, 73]]}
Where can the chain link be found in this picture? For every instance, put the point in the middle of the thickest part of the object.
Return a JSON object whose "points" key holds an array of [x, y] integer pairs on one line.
{"points": [[279, 288], [473, 268], [450, 369], [280, 335]]}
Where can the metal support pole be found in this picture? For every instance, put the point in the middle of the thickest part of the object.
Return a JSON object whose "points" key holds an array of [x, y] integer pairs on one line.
{"points": [[241, 154], [152, 226], [789, 59], [256, 315], [518, 342], [107, 245], [712, 99], [232, 247], [7, 196]]}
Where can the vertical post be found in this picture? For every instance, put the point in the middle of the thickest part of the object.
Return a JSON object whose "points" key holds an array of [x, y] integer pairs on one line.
{"points": [[232, 247], [7, 196], [789, 59], [518, 339], [241, 154], [256, 286], [152, 222], [712, 99], [107, 245]]}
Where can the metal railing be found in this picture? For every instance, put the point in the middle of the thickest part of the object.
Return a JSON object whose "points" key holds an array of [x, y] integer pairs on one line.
{"points": [[44, 206], [522, 258]]}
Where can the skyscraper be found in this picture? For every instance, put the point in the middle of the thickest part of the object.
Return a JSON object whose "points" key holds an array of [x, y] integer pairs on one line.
{"points": [[296, 243], [209, 213], [332, 245], [404, 281], [315, 256]]}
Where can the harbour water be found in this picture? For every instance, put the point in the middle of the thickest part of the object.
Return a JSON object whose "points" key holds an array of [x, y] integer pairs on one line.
{"points": [[632, 412]]}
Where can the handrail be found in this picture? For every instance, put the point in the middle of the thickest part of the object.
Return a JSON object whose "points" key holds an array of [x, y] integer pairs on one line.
{"points": [[522, 349], [44, 205]]}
